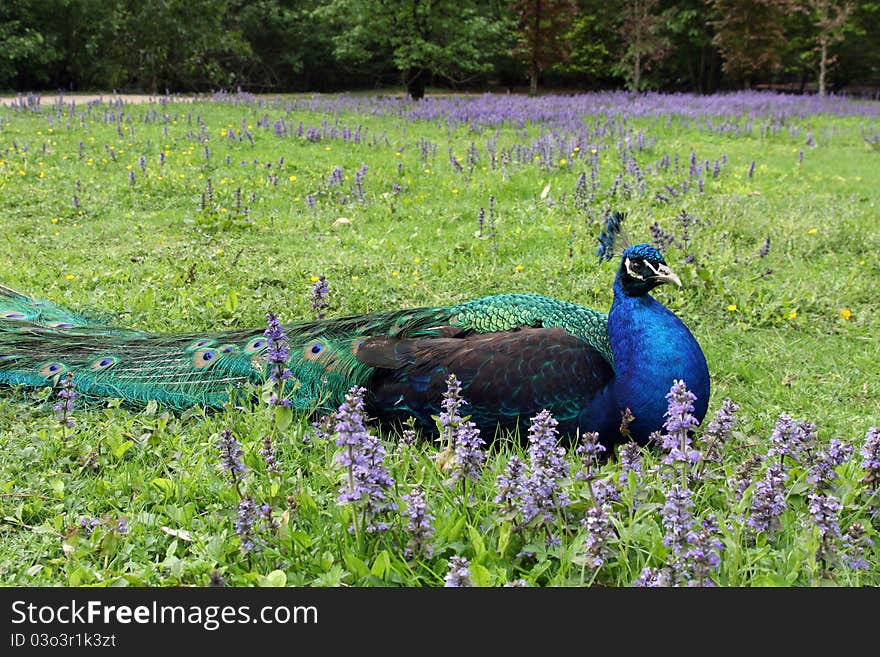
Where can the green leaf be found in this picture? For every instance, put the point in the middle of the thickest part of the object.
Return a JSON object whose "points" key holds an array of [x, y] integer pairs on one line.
{"points": [[231, 303], [355, 564], [480, 575], [276, 578], [165, 485], [381, 564], [283, 417], [120, 450], [57, 487], [503, 538], [477, 543]]}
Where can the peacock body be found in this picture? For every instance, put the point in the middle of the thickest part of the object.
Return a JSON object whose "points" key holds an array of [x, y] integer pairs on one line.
{"points": [[514, 354]]}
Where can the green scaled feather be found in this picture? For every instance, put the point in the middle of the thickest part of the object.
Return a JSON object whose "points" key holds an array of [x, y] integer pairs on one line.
{"points": [[40, 342]]}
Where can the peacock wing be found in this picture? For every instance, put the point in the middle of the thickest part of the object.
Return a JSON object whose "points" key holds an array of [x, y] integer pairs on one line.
{"points": [[506, 377]]}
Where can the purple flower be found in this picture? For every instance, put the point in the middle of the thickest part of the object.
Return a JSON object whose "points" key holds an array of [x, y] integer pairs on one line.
{"points": [[336, 177], [652, 578], [629, 459], [276, 355], [790, 438], [855, 542], [677, 517], [589, 452], [418, 524], [320, 290], [821, 471], [67, 396], [870, 454], [359, 176], [245, 526], [469, 455], [704, 554], [459, 572], [88, 525], [719, 431], [449, 417], [765, 249], [768, 500], [823, 513], [510, 487], [268, 454], [679, 423], [543, 496], [600, 530], [367, 481], [231, 456], [604, 491], [742, 478], [660, 238]]}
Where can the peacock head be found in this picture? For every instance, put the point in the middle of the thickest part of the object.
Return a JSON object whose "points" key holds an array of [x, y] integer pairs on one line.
{"points": [[642, 268]]}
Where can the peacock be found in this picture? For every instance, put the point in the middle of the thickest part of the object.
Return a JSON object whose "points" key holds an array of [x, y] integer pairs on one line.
{"points": [[513, 354]]}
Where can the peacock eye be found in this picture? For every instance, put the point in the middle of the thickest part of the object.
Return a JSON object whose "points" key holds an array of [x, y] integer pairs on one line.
{"points": [[637, 265]]}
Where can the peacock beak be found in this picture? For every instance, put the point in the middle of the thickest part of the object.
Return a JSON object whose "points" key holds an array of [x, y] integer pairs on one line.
{"points": [[666, 275]]}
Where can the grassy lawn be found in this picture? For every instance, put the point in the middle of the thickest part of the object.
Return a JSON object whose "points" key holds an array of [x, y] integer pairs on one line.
{"points": [[204, 215]]}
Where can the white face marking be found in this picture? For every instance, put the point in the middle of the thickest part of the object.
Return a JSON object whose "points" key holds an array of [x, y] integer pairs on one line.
{"points": [[639, 276], [629, 270], [651, 267], [655, 271]]}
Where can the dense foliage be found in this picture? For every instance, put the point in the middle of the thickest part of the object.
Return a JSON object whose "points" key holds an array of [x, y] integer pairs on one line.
{"points": [[287, 45]]}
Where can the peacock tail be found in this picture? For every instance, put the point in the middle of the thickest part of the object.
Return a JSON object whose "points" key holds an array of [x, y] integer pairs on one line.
{"points": [[41, 342]]}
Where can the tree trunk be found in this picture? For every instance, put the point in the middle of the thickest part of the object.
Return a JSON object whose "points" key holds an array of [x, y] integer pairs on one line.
{"points": [[823, 66], [536, 50], [415, 82], [637, 71]]}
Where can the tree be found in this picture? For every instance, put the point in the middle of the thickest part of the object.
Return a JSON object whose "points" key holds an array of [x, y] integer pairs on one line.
{"points": [[750, 35], [643, 40], [693, 62], [452, 39], [829, 19], [541, 30]]}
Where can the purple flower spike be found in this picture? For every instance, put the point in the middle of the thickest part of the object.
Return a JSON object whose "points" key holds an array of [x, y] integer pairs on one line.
{"points": [[459, 574], [419, 524], [367, 481]]}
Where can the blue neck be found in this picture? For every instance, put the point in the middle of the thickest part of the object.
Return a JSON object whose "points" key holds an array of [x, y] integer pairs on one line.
{"points": [[651, 348]]}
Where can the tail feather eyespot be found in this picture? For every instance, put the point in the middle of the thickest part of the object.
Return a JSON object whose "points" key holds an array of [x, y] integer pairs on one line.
{"points": [[255, 345], [51, 369], [204, 358], [103, 363], [314, 350]]}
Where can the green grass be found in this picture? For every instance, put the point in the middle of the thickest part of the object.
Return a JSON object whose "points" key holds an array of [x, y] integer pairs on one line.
{"points": [[794, 332]]}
